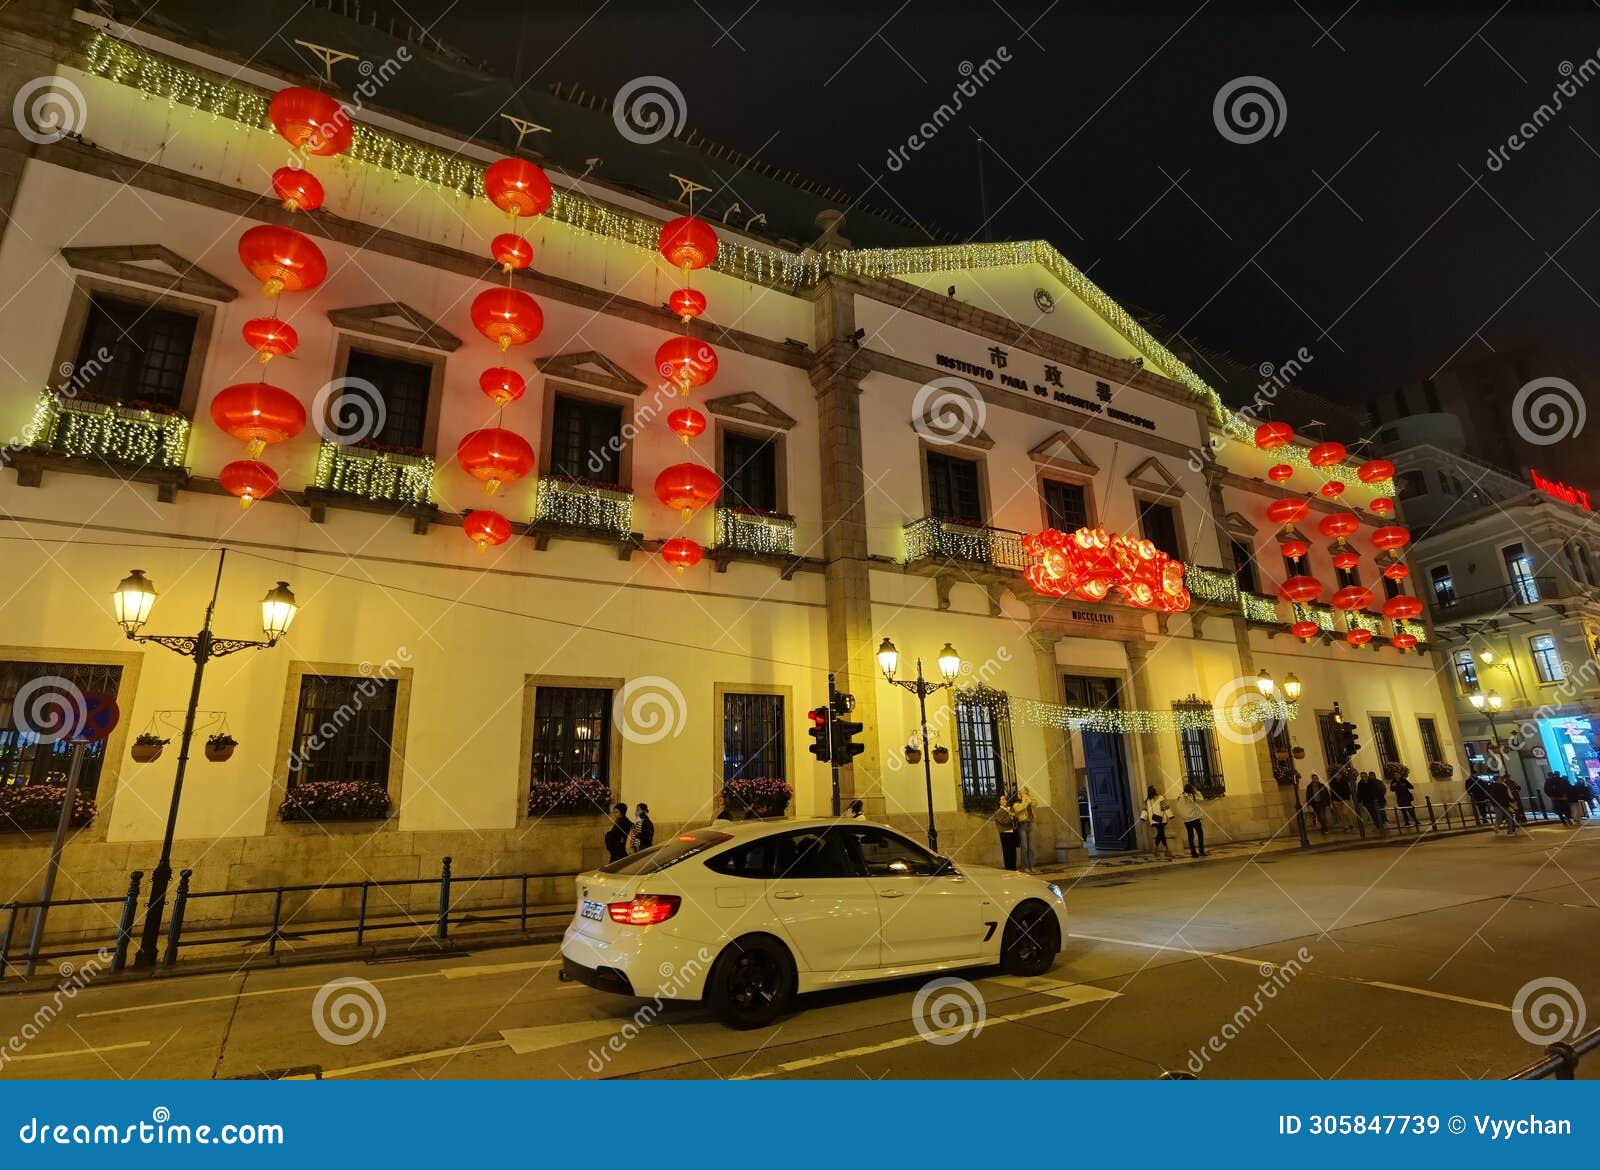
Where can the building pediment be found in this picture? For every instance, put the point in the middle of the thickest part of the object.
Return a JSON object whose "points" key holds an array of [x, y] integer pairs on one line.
{"points": [[750, 407], [952, 418], [152, 266], [1237, 525], [590, 367], [1152, 477], [395, 321], [1060, 452]]}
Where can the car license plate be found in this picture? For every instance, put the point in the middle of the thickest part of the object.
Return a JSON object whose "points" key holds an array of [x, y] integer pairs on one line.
{"points": [[593, 910]]}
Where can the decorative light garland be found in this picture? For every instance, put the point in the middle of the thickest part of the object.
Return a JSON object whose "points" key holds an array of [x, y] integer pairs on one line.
{"points": [[104, 430], [1321, 614], [1360, 619], [375, 475], [930, 536], [749, 532], [1211, 585], [1258, 608], [1183, 716], [577, 505]]}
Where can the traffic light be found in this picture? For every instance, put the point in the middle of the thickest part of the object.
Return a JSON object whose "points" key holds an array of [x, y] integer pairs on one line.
{"points": [[842, 732], [1349, 740], [821, 722]]}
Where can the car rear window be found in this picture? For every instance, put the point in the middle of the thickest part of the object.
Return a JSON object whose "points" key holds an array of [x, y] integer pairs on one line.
{"points": [[668, 853]]}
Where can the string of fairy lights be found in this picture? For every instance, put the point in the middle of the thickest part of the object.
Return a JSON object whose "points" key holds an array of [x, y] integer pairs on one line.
{"points": [[1186, 716], [107, 431]]}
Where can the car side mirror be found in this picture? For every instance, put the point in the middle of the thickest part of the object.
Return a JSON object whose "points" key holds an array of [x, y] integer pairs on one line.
{"points": [[945, 868]]}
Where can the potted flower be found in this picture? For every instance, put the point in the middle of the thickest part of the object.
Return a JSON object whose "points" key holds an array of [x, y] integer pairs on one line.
{"points": [[147, 747], [1395, 770], [34, 807], [1440, 770], [335, 800], [220, 747], [577, 795], [941, 754], [765, 796], [913, 754]]}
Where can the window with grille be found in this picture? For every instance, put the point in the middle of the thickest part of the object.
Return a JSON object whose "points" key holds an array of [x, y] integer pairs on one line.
{"points": [[983, 748], [1244, 561], [403, 388], [953, 489], [752, 737], [1444, 586], [1332, 742], [1429, 731], [1159, 523], [1297, 566], [584, 438], [1202, 767], [1282, 750], [1519, 569], [1546, 658], [344, 728], [571, 734], [134, 352], [1066, 507], [749, 472], [1383, 740], [27, 691], [1466, 669]]}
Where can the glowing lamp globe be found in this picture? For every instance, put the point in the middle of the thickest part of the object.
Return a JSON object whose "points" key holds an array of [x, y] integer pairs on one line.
{"points": [[511, 251], [517, 187], [1326, 454], [270, 337], [688, 243], [502, 385], [1280, 473], [1331, 490], [507, 316], [1294, 548], [1300, 589], [299, 190], [250, 480], [1288, 510], [686, 423], [311, 121], [1398, 571], [1403, 641], [1351, 597], [494, 456], [1270, 436], [1305, 628], [687, 487], [1358, 636], [681, 553], [257, 414], [1390, 537], [1375, 471], [687, 303], [282, 259], [686, 363], [486, 529], [1338, 525], [1402, 607], [1383, 506]]}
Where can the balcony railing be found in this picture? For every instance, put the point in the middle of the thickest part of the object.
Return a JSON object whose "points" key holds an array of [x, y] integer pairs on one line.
{"points": [[951, 540], [1360, 619], [1259, 608], [571, 503], [1220, 588], [395, 477], [762, 533], [1528, 591], [1321, 614], [109, 431]]}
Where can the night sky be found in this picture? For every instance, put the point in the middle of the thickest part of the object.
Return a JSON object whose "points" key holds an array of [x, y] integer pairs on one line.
{"points": [[1100, 137]]}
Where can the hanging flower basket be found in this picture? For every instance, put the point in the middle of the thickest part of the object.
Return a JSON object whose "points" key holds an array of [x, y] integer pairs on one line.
{"points": [[34, 807], [913, 754], [1395, 770], [220, 747], [569, 796], [941, 755], [765, 796], [335, 800], [1440, 770], [147, 748]]}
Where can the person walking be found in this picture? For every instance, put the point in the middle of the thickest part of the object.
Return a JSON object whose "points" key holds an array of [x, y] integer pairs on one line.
{"points": [[616, 838], [1157, 812], [1007, 825], [1582, 798], [1371, 795], [1506, 800], [1556, 792], [1187, 806], [1022, 813], [1339, 786], [1404, 802], [1317, 799], [643, 833]]}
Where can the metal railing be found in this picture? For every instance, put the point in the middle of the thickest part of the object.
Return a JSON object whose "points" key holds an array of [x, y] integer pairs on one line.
{"points": [[1528, 591], [931, 538], [1457, 815], [127, 434], [1560, 1060], [118, 946], [571, 503], [755, 532], [392, 476]]}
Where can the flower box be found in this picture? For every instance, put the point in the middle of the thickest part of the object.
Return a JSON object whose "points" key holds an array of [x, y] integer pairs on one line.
{"points": [[765, 796], [335, 800], [34, 807], [220, 748], [569, 795], [1440, 770]]}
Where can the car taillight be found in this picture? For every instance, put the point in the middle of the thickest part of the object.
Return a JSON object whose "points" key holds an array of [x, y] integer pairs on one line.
{"points": [[645, 910]]}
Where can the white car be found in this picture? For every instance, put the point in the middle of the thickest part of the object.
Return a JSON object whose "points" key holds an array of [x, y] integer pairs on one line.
{"points": [[746, 915]]}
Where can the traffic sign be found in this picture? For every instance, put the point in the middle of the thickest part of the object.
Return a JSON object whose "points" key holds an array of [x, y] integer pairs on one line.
{"points": [[100, 717]]}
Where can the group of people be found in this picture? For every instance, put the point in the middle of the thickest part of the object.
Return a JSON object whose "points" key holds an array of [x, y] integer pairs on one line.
{"points": [[1571, 800], [1340, 800], [1014, 818], [624, 836], [1159, 812]]}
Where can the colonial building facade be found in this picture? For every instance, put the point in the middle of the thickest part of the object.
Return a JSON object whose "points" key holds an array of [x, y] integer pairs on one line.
{"points": [[887, 423]]}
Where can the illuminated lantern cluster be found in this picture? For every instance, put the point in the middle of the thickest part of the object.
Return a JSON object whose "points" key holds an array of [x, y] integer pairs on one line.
{"points": [[507, 316], [1091, 562]]}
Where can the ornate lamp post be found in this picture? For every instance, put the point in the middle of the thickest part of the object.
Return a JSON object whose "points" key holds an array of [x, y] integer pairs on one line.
{"points": [[1489, 704], [1291, 693], [133, 600], [950, 668]]}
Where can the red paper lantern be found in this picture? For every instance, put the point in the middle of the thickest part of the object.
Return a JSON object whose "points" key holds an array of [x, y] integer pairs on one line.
{"points": [[687, 487], [299, 190], [681, 552], [1305, 628], [507, 316], [249, 480], [1280, 472], [1383, 506], [502, 385], [283, 259], [1331, 490], [1351, 597], [1398, 571], [1390, 537], [686, 363], [686, 423], [511, 251], [494, 456], [1375, 471], [687, 303], [311, 121], [257, 414], [1294, 549], [1288, 510], [1300, 589], [270, 337], [1358, 636], [517, 187], [1270, 436], [1402, 607], [486, 529], [1326, 454], [1339, 524], [1346, 558], [688, 243], [1403, 641]]}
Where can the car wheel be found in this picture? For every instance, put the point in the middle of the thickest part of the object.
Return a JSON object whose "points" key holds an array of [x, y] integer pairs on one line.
{"points": [[1031, 941], [752, 983]]}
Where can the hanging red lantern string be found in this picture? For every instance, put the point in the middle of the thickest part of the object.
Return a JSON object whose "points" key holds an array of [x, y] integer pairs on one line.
{"points": [[1403, 641], [682, 553], [1305, 628], [1359, 636], [1280, 473], [486, 529], [511, 252], [495, 456], [250, 480], [1331, 490], [686, 363], [1300, 589], [517, 187], [686, 423], [687, 303], [270, 337], [687, 487], [1326, 454], [299, 190], [257, 414], [502, 385], [283, 259], [311, 121], [1402, 607], [1351, 597], [1339, 524], [507, 316]]}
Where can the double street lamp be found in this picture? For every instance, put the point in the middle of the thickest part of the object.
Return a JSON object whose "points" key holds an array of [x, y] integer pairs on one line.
{"points": [[1291, 693], [950, 668], [133, 600], [1489, 704]]}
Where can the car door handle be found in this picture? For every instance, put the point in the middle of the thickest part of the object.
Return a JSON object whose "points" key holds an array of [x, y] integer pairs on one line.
{"points": [[891, 893], [787, 895]]}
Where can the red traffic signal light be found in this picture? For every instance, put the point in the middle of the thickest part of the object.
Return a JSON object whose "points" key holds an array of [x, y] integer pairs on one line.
{"points": [[820, 725]]}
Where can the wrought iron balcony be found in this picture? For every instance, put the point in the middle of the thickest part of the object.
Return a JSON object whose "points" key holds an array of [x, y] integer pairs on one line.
{"points": [[1321, 614], [110, 431], [1360, 619], [395, 477], [931, 538], [1517, 595], [1220, 588], [578, 505], [760, 533]]}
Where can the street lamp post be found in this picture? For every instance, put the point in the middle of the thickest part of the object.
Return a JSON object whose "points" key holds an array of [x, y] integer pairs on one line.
{"points": [[134, 598], [1291, 693], [950, 668], [1489, 704]]}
